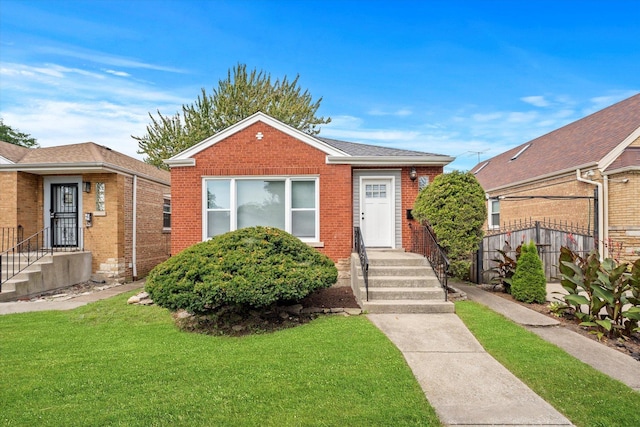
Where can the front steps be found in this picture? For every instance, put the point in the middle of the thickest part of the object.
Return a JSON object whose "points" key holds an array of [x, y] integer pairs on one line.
{"points": [[50, 272], [399, 282]]}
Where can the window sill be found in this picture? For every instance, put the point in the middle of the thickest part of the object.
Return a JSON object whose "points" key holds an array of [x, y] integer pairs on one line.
{"points": [[99, 213], [315, 244], [166, 230]]}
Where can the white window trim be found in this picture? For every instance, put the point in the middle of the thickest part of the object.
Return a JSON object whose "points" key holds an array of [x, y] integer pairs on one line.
{"points": [[167, 197], [490, 201], [233, 209]]}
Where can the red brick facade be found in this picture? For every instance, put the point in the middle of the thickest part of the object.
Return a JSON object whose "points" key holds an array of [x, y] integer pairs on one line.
{"points": [[277, 153]]}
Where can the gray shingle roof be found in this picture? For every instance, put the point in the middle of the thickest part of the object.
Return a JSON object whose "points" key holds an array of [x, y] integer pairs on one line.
{"points": [[365, 150]]}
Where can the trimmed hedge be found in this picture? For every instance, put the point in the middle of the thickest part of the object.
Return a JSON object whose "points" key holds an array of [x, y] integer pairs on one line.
{"points": [[529, 283], [253, 267]]}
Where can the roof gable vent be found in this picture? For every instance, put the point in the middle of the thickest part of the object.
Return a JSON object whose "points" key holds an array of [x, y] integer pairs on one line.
{"points": [[520, 152]]}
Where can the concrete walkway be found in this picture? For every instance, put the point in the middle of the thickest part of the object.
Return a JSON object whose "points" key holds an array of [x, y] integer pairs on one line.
{"points": [[463, 383], [75, 302]]}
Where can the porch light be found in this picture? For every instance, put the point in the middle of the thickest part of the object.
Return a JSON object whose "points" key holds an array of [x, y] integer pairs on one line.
{"points": [[86, 187], [413, 174]]}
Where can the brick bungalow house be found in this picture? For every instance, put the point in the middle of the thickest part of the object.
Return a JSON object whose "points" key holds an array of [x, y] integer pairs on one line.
{"points": [[261, 171], [558, 176], [87, 196]]}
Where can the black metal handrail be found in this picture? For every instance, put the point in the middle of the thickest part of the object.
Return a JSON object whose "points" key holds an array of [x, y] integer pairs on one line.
{"points": [[358, 243], [424, 242], [28, 251]]}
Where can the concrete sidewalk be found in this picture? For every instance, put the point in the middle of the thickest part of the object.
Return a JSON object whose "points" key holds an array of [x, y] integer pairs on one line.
{"points": [[463, 383], [69, 304], [605, 359]]}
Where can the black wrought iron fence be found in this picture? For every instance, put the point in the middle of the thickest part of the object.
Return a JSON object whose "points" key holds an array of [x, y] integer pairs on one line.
{"points": [[424, 242]]}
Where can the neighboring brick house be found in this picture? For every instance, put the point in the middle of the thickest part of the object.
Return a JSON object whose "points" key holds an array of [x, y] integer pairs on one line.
{"points": [[558, 175], [263, 172], [87, 195]]}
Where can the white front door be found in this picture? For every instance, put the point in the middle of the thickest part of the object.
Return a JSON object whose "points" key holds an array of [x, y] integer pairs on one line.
{"points": [[376, 216]]}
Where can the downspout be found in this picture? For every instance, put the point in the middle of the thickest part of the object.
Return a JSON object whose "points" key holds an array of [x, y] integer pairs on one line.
{"points": [[601, 220], [134, 236], [605, 219]]}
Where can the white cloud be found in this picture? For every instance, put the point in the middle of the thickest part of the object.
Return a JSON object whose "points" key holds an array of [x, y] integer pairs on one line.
{"points": [[536, 101], [106, 59], [403, 112], [118, 73]]}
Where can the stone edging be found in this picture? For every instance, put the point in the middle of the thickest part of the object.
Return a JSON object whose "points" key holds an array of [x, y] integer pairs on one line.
{"points": [[143, 298]]}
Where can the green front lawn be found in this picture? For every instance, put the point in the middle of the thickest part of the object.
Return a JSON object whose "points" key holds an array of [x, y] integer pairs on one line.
{"points": [[584, 395], [110, 363]]}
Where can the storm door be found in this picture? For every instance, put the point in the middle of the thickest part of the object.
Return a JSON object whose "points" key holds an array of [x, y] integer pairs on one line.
{"points": [[64, 215]]}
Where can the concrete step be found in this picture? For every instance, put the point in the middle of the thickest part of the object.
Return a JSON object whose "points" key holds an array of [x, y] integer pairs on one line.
{"points": [[401, 282], [419, 271], [408, 306], [395, 259], [424, 294]]}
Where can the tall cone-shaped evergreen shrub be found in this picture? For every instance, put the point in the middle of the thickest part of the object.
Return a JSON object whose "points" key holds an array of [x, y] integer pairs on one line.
{"points": [[529, 283]]}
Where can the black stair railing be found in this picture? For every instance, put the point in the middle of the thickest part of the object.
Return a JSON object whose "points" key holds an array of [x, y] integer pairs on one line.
{"points": [[10, 236], [424, 242], [359, 247]]}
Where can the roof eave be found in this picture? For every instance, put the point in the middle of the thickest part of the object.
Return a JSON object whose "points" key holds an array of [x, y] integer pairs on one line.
{"points": [[76, 168], [175, 163], [390, 160], [630, 168]]}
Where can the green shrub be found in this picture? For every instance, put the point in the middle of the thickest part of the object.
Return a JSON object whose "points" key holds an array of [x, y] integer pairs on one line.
{"points": [[253, 267], [529, 283], [454, 204]]}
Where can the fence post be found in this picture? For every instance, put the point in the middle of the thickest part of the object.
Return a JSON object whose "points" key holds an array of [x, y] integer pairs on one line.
{"points": [[480, 262]]}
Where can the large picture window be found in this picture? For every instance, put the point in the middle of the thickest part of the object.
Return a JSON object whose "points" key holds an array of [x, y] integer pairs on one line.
{"points": [[290, 204]]}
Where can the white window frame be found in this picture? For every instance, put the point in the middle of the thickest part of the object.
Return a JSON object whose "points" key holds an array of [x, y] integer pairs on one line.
{"points": [[490, 212], [233, 203], [165, 212]]}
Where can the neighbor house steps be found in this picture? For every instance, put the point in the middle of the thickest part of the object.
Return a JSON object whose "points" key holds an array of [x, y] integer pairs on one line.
{"points": [[49, 272], [399, 282]]}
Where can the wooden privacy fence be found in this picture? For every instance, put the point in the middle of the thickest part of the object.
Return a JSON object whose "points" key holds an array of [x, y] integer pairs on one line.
{"points": [[548, 236]]}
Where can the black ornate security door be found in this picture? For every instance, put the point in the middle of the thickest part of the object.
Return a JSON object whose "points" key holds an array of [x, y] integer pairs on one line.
{"points": [[64, 215]]}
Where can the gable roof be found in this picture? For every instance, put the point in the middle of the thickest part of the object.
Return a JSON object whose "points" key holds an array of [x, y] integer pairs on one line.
{"points": [[628, 160], [12, 153], [338, 152], [595, 140], [84, 157]]}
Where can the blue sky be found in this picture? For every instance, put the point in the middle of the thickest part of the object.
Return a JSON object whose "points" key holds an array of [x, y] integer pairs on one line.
{"points": [[464, 78]]}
